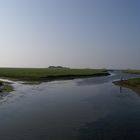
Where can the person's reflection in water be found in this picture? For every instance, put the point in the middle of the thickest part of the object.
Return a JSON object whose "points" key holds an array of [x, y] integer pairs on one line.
{"points": [[120, 89]]}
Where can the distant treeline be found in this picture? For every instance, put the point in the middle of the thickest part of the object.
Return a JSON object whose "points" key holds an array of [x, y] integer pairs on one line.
{"points": [[57, 67]]}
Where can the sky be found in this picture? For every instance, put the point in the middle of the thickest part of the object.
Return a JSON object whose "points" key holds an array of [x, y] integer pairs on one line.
{"points": [[71, 33]]}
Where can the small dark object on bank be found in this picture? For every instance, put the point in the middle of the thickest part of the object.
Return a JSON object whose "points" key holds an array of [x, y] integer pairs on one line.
{"points": [[121, 79], [1, 86]]}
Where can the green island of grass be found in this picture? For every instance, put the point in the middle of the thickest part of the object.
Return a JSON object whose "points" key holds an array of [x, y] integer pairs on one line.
{"points": [[133, 84], [49, 74]]}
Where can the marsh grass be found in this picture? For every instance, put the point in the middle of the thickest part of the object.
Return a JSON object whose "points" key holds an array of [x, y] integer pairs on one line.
{"points": [[7, 87], [132, 71], [133, 84], [44, 74]]}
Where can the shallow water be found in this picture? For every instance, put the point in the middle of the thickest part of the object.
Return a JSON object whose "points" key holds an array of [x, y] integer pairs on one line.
{"points": [[83, 109]]}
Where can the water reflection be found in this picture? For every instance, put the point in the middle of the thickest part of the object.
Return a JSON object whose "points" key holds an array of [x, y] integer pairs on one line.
{"points": [[104, 79], [91, 81], [59, 111], [120, 89], [117, 127]]}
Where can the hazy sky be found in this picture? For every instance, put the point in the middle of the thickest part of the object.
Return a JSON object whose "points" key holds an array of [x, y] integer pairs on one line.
{"points": [[73, 33]]}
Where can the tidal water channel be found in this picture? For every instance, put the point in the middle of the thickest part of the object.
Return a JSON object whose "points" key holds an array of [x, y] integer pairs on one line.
{"points": [[81, 109]]}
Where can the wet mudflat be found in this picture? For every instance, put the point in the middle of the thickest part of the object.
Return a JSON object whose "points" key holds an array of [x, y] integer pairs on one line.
{"points": [[82, 109]]}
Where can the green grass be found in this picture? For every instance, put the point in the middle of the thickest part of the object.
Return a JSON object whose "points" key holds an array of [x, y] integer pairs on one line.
{"points": [[38, 74], [7, 87], [132, 71], [133, 82]]}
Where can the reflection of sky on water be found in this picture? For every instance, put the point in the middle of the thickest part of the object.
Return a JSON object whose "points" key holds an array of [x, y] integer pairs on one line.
{"points": [[63, 110], [116, 127], [105, 79]]}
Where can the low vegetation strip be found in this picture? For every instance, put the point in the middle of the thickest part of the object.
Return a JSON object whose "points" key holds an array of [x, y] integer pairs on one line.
{"points": [[132, 71], [133, 84], [46, 74], [6, 87]]}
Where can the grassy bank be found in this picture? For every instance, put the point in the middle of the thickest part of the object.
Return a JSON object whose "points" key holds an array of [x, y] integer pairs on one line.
{"points": [[7, 87], [132, 71], [133, 84], [48, 74]]}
